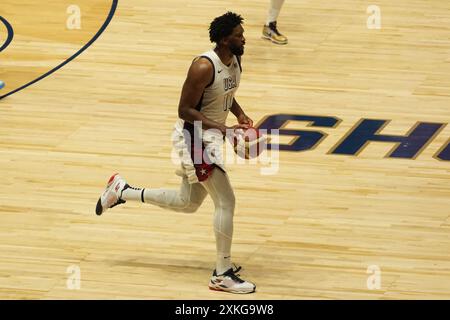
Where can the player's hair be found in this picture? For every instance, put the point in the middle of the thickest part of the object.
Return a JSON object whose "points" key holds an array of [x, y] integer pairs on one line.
{"points": [[223, 26]]}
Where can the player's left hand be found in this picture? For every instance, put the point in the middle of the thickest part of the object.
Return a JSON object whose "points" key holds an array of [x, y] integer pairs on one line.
{"points": [[244, 120]]}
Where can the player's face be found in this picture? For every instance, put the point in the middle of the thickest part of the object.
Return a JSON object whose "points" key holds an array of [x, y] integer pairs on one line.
{"points": [[237, 41]]}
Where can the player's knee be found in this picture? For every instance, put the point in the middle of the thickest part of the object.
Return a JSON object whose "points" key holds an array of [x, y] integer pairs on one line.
{"points": [[191, 207], [228, 204]]}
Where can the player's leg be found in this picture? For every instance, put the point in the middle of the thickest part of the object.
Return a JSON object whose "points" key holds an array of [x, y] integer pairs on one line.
{"points": [[187, 199], [270, 30], [221, 192]]}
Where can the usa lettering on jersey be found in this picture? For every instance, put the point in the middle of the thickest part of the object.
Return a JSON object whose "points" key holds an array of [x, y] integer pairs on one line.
{"points": [[229, 83]]}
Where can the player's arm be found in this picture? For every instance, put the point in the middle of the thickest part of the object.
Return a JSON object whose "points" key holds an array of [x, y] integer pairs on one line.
{"points": [[200, 74], [240, 114]]}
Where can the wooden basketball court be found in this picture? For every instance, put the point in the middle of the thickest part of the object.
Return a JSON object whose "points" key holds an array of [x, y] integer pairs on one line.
{"points": [[325, 226]]}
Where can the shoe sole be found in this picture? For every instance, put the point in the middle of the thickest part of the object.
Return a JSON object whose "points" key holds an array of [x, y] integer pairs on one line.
{"points": [[231, 291], [98, 207], [276, 42]]}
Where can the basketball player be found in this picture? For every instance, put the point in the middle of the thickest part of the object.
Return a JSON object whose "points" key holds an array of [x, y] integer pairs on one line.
{"points": [[270, 31], [206, 99]]}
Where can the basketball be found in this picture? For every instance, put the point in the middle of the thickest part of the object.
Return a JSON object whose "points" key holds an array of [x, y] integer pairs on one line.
{"points": [[249, 143]]}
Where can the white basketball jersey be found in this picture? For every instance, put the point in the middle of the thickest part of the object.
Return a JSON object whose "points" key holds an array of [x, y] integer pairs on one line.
{"points": [[215, 104], [218, 96]]}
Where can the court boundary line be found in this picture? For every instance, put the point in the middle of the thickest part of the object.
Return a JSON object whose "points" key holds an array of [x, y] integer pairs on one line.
{"points": [[87, 45]]}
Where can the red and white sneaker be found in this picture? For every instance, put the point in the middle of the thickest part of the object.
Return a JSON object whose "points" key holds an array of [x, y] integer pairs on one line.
{"points": [[230, 282], [111, 197]]}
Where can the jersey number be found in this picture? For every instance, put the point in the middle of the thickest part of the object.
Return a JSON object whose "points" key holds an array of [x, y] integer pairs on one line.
{"points": [[227, 101]]}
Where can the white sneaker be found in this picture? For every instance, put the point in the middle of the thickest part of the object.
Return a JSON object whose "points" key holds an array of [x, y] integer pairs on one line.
{"points": [[230, 282], [111, 197]]}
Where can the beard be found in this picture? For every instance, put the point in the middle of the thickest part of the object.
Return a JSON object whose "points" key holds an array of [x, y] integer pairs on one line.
{"points": [[237, 50]]}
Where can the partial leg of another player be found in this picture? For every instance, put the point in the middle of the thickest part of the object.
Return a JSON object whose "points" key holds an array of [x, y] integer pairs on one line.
{"points": [[270, 31]]}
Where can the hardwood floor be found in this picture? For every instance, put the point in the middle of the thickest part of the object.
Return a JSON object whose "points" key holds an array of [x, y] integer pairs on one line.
{"points": [[311, 231]]}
